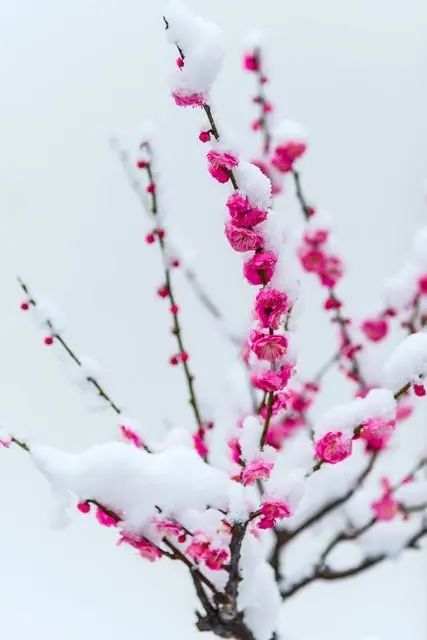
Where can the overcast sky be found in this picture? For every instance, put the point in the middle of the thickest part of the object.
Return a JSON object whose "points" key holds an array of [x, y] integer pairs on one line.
{"points": [[74, 73]]}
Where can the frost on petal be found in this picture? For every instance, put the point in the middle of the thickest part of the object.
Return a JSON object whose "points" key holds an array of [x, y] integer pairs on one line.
{"points": [[407, 362]]}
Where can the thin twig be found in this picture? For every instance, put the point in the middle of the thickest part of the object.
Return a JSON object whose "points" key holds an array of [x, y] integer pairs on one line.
{"points": [[70, 351]]}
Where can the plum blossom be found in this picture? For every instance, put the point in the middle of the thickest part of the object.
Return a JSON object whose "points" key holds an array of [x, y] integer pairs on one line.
{"points": [[271, 381], [375, 329], [129, 434], [377, 432], [145, 548], [257, 469], [386, 508], [285, 155], [270, 306], [260, 268], [105, 518], [271, 512], [220, 164], [250, 62], [243, 239], [216, 558], [333, 447], [242, 213], [268, 347], [168, 527], [185, 99], [201, 549]]}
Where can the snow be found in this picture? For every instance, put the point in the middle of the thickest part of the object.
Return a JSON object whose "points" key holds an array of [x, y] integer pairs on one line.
{"points": [[202, 45], [388, 538], [133, 483], [254, 184], [288, 487], [413, 494], [407, 362], [259, 596], [250, 437], [379, 403], [403, 287], [289, 131], [254, 39]]}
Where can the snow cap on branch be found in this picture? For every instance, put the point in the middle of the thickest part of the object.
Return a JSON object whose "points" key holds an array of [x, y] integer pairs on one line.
{"points": [[408, 362], [133, 483], [379, 403], [254, 183], [202, 46]]}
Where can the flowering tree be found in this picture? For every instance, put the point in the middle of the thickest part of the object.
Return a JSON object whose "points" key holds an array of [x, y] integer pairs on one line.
{"points": [[231, 506]]}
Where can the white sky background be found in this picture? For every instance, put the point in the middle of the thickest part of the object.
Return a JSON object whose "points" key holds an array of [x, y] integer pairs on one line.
{"points": [[73, 73]]}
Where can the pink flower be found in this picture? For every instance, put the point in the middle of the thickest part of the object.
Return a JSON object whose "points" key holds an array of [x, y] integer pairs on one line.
{"points": [[386, 508], [299, 402], [204, 136], [375, 329], [131, 435], [241, 212], [377, 432], [235, 450], [168, 527], [220, 164], [145, 548], [333, 447], [419, 390], [332, 303], [83, 507], [270, 305], [332, 271], [255, 470], [273, 510], [198, 547], [104, 518], [316, 237], [271, 381], [216, 558], [403, 411], [5, 442], [185, 99], [422, 284], [242, 239], [269, 347], [200, 444], [250, 62], [313, 260], [285, 155], [260, 268]]}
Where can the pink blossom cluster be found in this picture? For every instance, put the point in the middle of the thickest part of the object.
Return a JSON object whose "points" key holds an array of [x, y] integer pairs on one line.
{"points": [[315, 258], [336, 446], [272, 511], [203, 550], [244, 233]]}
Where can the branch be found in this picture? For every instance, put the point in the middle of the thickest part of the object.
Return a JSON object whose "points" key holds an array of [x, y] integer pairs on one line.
{"points": [[57, 337], [200, 292], [322, 572], [177, 330]]}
